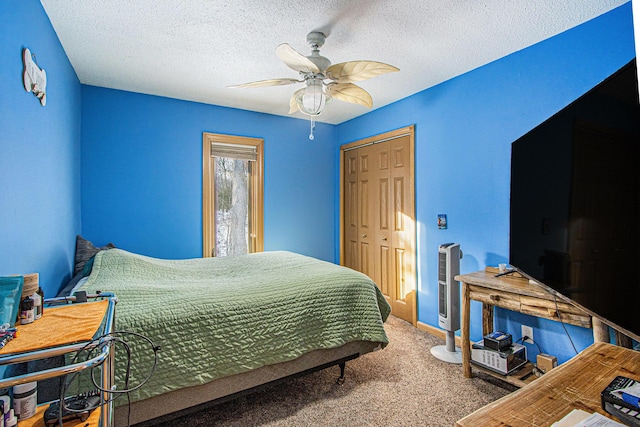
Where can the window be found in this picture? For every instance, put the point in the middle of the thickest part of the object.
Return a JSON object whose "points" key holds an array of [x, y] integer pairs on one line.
{"points": [[232, 195]]}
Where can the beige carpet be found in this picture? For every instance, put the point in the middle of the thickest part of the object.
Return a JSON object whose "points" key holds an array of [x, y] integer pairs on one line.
{"points": [[402, 385]]}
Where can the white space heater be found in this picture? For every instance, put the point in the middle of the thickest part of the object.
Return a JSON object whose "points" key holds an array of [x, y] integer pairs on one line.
{"points": [[449, 255]]}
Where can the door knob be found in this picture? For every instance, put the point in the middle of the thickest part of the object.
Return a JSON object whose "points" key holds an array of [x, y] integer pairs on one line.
{"points": [[364, 235], [384, 239]]}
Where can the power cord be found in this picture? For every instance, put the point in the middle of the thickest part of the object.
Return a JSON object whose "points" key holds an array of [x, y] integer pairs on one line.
{"points": [[536, 371], [525, 338], [97, 345], [555, 300]]}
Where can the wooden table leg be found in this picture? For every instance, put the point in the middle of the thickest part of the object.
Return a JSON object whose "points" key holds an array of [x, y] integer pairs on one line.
{"points": [[600, 330], [487, 318], [465, 343]]}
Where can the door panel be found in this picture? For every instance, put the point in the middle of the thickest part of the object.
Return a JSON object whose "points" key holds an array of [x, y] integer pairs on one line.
{"points": [[384, 264], [398, 204], [351, 257], [383, 204], [366, 266]]}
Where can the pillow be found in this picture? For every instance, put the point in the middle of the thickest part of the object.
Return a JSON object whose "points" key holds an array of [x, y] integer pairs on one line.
{"points": [[66, 290], [84, 251], [88, 266]]}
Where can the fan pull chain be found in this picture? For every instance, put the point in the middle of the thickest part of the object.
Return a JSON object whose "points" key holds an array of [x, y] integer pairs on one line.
{"points": [[313, 126]]}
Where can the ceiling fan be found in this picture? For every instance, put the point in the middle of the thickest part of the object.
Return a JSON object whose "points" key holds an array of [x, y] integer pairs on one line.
{"points": [[323, 81]]}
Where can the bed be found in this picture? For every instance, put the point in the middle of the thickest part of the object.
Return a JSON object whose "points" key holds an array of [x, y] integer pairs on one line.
{"points": [[231, 324]]}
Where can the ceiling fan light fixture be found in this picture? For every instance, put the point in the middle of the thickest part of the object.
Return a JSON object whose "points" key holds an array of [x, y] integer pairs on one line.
{"points": [[313, 98]]}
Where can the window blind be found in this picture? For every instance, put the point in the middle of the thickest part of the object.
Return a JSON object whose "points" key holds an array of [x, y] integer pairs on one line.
{"points": [[234, 151]]}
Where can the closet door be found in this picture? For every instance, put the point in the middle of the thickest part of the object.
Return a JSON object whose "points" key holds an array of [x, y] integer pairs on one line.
{"points": [[392, 202], [402, 231], [361, 213], [383, 219], [365, 209], [379, 217]]}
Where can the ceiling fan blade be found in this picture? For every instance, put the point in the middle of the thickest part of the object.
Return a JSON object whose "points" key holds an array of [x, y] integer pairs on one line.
{"points": [[348, 92], [266, 83], [353, 71], [293, 104], [295, 60]]}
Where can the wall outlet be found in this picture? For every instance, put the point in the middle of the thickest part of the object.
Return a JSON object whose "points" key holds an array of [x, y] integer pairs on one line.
{"points": [[527, 331]]}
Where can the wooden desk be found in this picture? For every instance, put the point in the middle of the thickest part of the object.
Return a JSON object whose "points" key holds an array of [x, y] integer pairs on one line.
{"points": [[515, 293], [574, 385]]}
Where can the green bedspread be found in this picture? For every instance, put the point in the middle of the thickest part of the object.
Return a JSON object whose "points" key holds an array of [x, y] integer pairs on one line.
{"points": [[215, 317]]}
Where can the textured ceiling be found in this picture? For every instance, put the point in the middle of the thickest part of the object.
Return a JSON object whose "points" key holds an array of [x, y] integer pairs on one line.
{"points": [[193, 49]]}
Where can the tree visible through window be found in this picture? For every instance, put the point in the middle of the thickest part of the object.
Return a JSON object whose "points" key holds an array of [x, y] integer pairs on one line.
{"points": [[232, 195], [232, 206]]}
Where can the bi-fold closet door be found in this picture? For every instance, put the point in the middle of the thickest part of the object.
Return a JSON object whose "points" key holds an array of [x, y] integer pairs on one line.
{"points": [[379, 225]]}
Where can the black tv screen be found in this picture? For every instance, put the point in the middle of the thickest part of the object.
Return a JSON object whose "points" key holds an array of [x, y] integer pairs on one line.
{"points": [[575, 198]]}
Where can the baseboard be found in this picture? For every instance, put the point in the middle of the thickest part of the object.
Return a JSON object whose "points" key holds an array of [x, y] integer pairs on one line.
{"points": [[436, 332]]}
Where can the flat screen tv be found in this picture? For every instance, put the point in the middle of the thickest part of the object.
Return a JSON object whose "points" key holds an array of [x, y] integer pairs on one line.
{"points": [[575, 198]]}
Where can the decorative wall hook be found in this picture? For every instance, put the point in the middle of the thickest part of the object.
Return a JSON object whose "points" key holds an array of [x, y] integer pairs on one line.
{"points": [[34, 79]]}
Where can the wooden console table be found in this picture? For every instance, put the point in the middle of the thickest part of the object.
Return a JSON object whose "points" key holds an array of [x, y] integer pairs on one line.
{"points": [[575, 384], [515, 293]]}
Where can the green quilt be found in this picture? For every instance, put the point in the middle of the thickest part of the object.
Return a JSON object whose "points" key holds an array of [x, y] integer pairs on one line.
{"points": [[215, 317]]}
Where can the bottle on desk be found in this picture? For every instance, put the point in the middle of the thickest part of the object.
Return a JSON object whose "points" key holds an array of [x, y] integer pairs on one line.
{"points": [[12, 420], [37, 304], [25, 399], [26, 311], [5, 406]]}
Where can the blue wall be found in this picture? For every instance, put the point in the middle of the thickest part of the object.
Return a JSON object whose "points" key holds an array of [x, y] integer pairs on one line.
{"points": [[464, 130], [39, 151], [141, 159], [142, 174]]}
